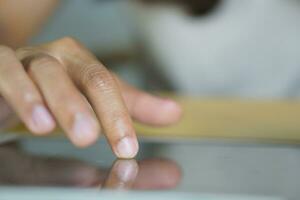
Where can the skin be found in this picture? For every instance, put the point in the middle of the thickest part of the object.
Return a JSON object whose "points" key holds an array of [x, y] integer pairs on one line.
{"points": [[20, 20], [62, 83]]}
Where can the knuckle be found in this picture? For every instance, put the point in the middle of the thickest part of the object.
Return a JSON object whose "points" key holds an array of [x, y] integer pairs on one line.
{"points": [[42, 60], [29, 96], [69, 42], [96, 77], [39, 61], [64, 46]]}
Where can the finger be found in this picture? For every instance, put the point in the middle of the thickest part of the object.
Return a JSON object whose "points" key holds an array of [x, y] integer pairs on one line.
{"points": [[157, 174], [21, 93], [122, 175], [104, 95], [64, 100], [149, 109]]}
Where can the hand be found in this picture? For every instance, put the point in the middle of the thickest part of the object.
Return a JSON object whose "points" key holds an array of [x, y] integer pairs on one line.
{"points": [[19, 168], [62, 82]]}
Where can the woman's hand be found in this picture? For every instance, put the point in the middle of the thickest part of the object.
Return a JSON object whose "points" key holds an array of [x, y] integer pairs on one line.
{"points": [[62, 82]]}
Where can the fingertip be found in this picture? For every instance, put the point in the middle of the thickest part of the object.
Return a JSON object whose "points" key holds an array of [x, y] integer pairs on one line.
{"points": [[127, 148], [85, 131], [166, 112], [126, 170], [84, 140], [156, 111], [42, 122], [171, 112], [41, 131]]}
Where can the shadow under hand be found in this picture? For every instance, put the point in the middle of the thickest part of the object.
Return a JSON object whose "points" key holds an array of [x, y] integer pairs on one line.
{"points": [[22, 169]]}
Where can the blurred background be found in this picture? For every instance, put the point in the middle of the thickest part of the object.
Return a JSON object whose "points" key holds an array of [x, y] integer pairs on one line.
{"points": [[206, 48]]}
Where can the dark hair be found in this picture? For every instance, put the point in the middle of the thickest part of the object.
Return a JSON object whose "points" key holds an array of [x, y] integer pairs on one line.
{"points": [[194, 7]]}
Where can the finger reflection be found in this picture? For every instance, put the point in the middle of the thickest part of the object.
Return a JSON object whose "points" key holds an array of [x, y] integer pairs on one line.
{"points": [[157, 174], [20, 168], [122, 174]]}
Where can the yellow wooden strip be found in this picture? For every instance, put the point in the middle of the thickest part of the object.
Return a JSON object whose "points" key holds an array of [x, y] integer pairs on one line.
{"points": [[233, 119], [229, 119]]}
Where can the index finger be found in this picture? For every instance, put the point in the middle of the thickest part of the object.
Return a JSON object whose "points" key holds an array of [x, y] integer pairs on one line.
{"points": [[103, 93], [105, 97]]}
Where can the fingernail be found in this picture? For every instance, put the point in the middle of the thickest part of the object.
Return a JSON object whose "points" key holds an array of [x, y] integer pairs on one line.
{"points": [[127, 148], [172, 105], [42, 119], [83, 127], [126, 170]]}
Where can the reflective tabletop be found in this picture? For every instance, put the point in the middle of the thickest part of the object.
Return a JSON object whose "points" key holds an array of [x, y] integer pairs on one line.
{"points": [[203, 169]]}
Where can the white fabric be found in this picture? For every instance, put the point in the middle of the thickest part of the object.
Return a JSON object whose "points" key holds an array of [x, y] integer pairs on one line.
{"points": [[244, 48]]}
